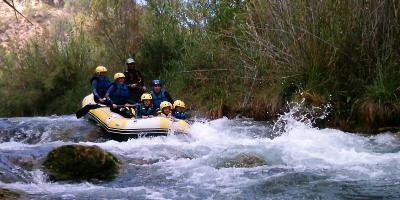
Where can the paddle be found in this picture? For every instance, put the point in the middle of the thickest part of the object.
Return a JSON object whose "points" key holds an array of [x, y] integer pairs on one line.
{"points": [[83, 111]]}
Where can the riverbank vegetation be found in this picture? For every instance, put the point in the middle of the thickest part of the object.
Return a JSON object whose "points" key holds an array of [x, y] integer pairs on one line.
{"points": [[222, 57]]}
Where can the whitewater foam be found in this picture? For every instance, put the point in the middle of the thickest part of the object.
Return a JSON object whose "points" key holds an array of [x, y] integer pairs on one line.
{"points": [[169, 167]]}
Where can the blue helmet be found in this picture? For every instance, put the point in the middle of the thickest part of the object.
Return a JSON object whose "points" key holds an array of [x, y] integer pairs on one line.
{"points": [[156, 82]]}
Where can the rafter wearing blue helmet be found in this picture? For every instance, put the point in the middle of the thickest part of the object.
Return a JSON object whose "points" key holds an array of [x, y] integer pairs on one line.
{"points": [[159, 94]]}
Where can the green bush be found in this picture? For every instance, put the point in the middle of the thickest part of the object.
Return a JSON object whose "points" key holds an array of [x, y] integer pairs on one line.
{"points": [[48, 77]]}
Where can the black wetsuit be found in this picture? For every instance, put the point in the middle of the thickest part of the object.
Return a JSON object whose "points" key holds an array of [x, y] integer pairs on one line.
{"points": [[135, 77]]}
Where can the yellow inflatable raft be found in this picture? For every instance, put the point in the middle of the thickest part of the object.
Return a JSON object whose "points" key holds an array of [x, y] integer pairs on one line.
{"points": [[122, 127]]}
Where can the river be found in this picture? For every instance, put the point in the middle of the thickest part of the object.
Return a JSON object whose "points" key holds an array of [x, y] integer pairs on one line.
{"points": [[301, 162]]}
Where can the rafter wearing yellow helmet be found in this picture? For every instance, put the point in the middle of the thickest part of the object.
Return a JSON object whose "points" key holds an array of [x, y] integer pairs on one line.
{"points": [[118, 75], [146, 96], [179, 110], [146, 108], [100, 84], [166, 108], [101, 69], [118, 96]]}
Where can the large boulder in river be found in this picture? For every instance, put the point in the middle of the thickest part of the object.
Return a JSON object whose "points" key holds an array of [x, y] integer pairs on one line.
{"points": [[78, 162]]}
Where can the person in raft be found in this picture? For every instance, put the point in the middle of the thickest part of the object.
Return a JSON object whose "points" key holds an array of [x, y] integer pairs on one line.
{"points": [[165, 109], [159, 94], [100, 84], [118, 97], [146, 108], [134, 80], [179, 110]]}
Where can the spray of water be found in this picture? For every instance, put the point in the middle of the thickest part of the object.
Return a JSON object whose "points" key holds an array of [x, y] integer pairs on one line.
{"points": [[301, 114]]}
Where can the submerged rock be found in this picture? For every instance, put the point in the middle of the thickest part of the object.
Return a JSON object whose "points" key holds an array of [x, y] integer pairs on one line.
{"points": [[78, 162], [14, 175], [7, 194], [143, 161], [242, 160], [25, 162]]}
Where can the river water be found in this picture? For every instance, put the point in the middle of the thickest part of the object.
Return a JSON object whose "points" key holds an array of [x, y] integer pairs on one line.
{"points": [[299, 162]]}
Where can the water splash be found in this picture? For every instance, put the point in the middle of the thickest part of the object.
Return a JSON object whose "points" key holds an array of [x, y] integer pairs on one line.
{"points": [[300, 113]]}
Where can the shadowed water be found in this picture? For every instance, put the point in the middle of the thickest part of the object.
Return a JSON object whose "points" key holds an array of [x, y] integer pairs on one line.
{"points": [[296, 162]]}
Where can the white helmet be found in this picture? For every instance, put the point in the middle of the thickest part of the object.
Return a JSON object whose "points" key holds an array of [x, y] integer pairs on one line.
{"points": [[130, 61]]}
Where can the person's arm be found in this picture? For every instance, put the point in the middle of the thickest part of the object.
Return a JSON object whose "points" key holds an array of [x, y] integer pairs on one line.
{"points": [[127, 79], [94, 86], [157, 111], [140, 80], [109, 92]]}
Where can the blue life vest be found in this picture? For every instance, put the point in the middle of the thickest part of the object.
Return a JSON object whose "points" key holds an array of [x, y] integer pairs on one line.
{"points": [[120, 95], [179, 115], [145, 111], [102, 84], [158, 98]]}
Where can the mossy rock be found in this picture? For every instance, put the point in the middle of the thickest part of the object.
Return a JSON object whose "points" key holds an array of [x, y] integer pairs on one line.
{"points": [[78, 162], [7, 194], [243, 160]]}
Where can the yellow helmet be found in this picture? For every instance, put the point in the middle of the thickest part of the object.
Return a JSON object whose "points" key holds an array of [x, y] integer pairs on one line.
{"points": [[179, 103], [165, 104], [100, 69], [118, 75], [146, 96]]}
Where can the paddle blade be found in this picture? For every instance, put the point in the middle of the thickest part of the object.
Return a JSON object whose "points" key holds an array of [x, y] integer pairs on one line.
{"points": [[83, 111]]}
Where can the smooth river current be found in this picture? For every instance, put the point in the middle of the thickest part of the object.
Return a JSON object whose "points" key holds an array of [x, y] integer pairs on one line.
{"points": [[299, 162]]}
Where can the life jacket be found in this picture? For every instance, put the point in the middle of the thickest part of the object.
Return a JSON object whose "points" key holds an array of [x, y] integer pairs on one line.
{"points": [[142, 110], [102, 84], [158, 98], [120, 95], [179, 115], [164, 115]]}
